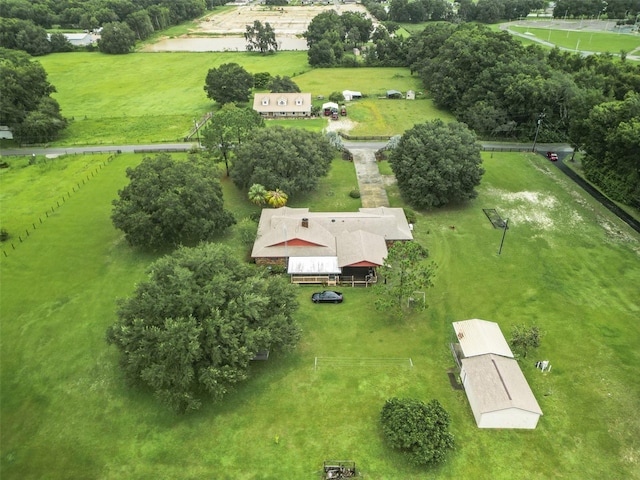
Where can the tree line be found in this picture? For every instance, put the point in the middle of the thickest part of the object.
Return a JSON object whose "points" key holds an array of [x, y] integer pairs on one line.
{"points": [[123, 22]]}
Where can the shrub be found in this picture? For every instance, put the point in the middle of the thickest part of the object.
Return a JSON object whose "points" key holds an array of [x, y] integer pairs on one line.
{"points": [[4, 234], [420, 430], [336, 97], [355, 193]]}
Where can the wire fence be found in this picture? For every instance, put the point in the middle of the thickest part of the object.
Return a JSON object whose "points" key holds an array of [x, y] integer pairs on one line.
{"points": [[11, 243], [361, 362]]}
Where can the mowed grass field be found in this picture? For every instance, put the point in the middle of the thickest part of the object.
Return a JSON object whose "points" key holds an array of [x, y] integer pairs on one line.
{"points": [[584, 41], [155, 97], [567, 266]]}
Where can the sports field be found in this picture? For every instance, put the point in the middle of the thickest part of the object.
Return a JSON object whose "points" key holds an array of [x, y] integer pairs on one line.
{"points": [[567, 265]]}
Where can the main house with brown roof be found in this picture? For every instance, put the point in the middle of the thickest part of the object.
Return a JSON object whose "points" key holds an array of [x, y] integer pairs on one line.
{"points": [[282, 104], [325, 245]]}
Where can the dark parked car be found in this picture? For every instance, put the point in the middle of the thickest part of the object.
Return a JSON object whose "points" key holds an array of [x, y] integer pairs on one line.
{"points": [[553, 156], [327, 296]]}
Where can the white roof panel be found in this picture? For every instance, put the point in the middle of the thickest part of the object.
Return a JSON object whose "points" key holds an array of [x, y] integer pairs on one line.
{"points": [[313, 265], [478, 337]]}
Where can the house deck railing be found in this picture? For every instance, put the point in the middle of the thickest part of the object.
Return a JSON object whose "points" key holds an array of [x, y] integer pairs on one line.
{"points": [[344, 280]]}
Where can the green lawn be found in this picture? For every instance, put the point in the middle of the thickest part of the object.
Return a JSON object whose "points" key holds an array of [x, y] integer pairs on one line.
{"points": [[588, 41], [95, 91], [143, 97], [567, 265]]}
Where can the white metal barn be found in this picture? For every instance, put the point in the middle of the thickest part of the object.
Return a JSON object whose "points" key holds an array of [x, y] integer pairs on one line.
{"points": [[477, 337], [498, 393], [496, 388]]}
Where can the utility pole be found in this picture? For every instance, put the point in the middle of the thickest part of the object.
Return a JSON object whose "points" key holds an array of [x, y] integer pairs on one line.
{"points": [[195, 122], [504, 233], [535, 140]]}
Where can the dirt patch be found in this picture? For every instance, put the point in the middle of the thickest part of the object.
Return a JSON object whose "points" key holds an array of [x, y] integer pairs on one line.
{"points": [[343, 125], [528, 207], [284, 20]]}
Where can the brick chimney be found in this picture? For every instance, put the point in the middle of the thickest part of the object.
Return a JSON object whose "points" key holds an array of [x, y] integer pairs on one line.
{"points": [[305, 222]]}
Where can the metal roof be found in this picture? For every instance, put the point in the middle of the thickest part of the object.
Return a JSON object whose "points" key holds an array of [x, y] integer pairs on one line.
{"points": [[498, 384], [478, 337], [313, 265]]}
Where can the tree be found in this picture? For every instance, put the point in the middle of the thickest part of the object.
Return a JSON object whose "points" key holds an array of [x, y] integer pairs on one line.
{"points": [[169, 202], [193, 326], [283, 85], [59, 43], [228, 128], [229, 83], [322, 54], [405, 271], [261, 38], [490, 11], [140, 23], [612, 141], [420, 430], [116, 38], [257, 194], [23, 35], [291, 159], [525, 338], [437, 163], [261, 80], [25, 103], [276, 198]]}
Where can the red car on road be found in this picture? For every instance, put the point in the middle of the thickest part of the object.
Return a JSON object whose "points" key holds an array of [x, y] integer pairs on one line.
{"points": [[553, 156]]}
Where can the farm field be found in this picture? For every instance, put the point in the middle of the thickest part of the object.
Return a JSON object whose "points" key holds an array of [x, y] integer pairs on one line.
{"points": [[567, 266], [99, 99]]}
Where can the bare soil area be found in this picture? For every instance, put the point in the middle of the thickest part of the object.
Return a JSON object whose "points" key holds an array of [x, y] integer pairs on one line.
{"points": [[284, 20], [220, 32]]}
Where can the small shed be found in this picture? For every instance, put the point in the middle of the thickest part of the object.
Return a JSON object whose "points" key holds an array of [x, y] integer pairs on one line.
{"points": [[394, 94], [498, 393], [351, 95], [329, 107], [411, 95]]}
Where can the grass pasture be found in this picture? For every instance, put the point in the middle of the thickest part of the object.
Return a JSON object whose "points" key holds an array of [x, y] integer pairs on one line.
{"points": [[143, 97], [567, 265], [96, 92], [584, 40]]}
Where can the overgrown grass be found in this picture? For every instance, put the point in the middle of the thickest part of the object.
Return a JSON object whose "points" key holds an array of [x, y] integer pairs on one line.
{"points": [[567, 266]]}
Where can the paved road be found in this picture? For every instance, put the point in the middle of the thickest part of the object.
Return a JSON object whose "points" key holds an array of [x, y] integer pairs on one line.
{"points": [[158, 147]]}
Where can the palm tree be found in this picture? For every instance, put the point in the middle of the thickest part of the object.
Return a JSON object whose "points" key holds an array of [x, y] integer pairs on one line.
{"points": [[277, 198], [257, 194]]}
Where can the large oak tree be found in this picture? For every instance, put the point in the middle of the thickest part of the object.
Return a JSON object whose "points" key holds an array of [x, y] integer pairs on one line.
{"points": [[190, 331], [290, 159], [229, 83], [169, 202], [437, 163]]}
